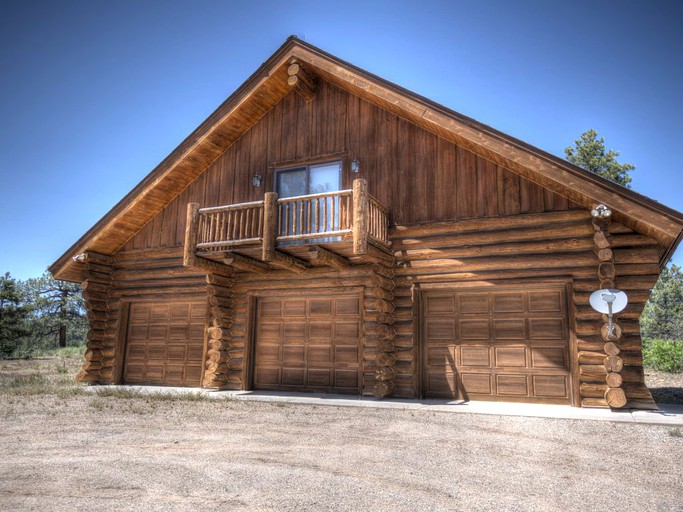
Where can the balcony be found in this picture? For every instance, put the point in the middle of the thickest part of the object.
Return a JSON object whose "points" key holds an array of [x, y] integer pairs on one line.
{"points": [[334, 229]]}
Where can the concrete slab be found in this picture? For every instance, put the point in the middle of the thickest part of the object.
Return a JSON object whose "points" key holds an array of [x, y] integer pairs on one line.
{"points": [[671, 415]]}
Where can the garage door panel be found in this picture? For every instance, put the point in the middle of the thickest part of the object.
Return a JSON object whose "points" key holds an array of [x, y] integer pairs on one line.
{"points": [[319, 343], [471, 303], [474, 330], [551, 386], [477, 383], [509, 329], [347, 307], [347, 379], [440, 305], [551, 301], [475, 356], [348, 332], [165, 344], [510, 357], [548, 357], [511, 344], [515, 385], [320, 330], [547, 329], [293, 376], [508, 302], [441, 329]]}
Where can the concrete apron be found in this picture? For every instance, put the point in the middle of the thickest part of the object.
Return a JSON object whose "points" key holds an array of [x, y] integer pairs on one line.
{"points": [[666, 415]]}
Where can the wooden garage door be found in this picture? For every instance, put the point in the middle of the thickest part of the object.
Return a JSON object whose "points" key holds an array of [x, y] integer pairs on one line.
{"points": [[165, 344], [308, 344], [503, 344]]}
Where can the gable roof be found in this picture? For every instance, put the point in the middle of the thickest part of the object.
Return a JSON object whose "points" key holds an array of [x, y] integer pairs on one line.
{"points": [[268, 85]]}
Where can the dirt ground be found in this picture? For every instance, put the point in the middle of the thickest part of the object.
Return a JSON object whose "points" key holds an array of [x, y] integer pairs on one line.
{"points": [[63, 449]]}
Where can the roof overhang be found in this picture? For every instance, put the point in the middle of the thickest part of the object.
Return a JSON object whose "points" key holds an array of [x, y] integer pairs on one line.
{"points": [[268, 85]]}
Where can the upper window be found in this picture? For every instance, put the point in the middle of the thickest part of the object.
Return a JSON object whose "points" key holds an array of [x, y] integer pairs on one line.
{"points": [[308, 179]]}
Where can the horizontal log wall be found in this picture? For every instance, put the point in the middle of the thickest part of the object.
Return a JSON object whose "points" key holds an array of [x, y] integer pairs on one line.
{"points": [[529, 248], [417, 175]]}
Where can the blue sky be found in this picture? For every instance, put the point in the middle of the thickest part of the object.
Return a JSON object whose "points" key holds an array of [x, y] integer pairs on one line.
{"points": [[94, 94]]}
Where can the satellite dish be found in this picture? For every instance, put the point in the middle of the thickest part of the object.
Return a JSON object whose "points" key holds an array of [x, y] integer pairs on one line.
{"points": [[608, 301]]}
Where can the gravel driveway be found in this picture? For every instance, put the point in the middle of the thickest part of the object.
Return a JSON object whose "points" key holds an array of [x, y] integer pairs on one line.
{"points": [[87, 452]]}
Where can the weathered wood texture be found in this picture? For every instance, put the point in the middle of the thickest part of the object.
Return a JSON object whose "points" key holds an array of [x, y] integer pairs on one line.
{"points": [[99, 364], [533, 248], [416, 174]]}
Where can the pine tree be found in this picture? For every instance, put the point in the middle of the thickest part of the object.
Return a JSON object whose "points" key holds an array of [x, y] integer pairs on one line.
{"points": [[662, 316], [58, 312], [589, 153], [13, 315]]}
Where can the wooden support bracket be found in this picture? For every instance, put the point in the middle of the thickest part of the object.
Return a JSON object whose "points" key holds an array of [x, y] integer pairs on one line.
{"points": [[289, 262], [325, 257], [244, 263]]}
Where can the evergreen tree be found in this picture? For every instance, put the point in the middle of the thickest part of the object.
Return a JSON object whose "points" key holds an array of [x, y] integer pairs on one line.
{"points": [[590, 153], [13, 315], [662, 316], [58, 312]]}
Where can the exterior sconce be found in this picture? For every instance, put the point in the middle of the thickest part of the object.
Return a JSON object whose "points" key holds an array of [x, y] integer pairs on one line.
{"points": [[355, 166], [601, 212], [256, 180]]}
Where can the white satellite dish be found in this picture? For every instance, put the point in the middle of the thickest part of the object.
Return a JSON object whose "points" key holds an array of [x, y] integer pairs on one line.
{"points": [[608, 301]]}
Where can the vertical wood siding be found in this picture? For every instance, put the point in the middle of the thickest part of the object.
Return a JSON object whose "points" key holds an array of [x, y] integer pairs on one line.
{"points": [[418, 175]]}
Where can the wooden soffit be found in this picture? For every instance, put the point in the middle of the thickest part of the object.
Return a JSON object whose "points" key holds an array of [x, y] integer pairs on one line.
{"points": [[269, 84]]}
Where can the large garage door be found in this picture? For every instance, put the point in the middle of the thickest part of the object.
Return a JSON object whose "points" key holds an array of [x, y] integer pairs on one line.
{"points": [[503, 344], [165, 344], [308, 344]]}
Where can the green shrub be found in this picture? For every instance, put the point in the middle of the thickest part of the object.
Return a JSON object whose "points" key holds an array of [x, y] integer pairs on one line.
{"points": [[663, 355]]}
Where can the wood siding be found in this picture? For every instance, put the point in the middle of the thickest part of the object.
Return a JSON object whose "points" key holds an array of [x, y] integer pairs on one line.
{"points": [[458, 221], [418, 175]]}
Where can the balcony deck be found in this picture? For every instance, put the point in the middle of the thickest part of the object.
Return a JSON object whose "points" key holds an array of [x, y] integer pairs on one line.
{"points": [[336, 229]]}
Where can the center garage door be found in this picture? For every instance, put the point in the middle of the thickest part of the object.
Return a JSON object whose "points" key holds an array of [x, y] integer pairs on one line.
{"points": [[165, 344], [308, 344], [502, 344]]}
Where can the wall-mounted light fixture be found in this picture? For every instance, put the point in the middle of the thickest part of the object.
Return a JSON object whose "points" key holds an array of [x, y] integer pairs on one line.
{"points": [[355, 166], [601, 212], [256, 180]]}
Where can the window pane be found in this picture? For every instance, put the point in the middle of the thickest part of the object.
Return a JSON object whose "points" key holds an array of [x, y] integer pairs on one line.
{"points": [[324, 178], [291, 183]]}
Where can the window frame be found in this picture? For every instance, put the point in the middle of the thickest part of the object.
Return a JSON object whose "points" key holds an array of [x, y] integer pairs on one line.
{"points": [[307, 167]]}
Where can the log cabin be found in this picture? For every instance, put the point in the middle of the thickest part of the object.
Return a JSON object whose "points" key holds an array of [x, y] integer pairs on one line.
{"points": [[325, 230]]}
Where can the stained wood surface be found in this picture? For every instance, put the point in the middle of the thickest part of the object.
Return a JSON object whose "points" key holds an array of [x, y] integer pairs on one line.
{"points": [[418, 176], [500, 344], [308, 343], [165, 344]]}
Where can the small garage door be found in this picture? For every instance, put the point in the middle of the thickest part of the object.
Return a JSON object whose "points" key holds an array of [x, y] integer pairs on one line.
{"points": [[308, 344], [503, 344], [165, 344]]}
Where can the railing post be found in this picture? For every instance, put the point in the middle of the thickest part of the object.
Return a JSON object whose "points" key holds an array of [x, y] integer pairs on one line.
{"points": [[191, 229], [360, 216], [270, 218]]}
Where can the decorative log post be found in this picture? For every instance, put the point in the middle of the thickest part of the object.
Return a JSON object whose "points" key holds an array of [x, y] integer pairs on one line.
{"points": [[270, 218], [99, 364], [360, 217], [614, 394], [379, 354], [191, 231], [222, 368]]}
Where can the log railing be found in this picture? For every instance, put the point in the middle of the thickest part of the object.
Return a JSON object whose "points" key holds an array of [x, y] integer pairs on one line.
{"points": [[223, 226], [315, 216], [323, 217]]}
